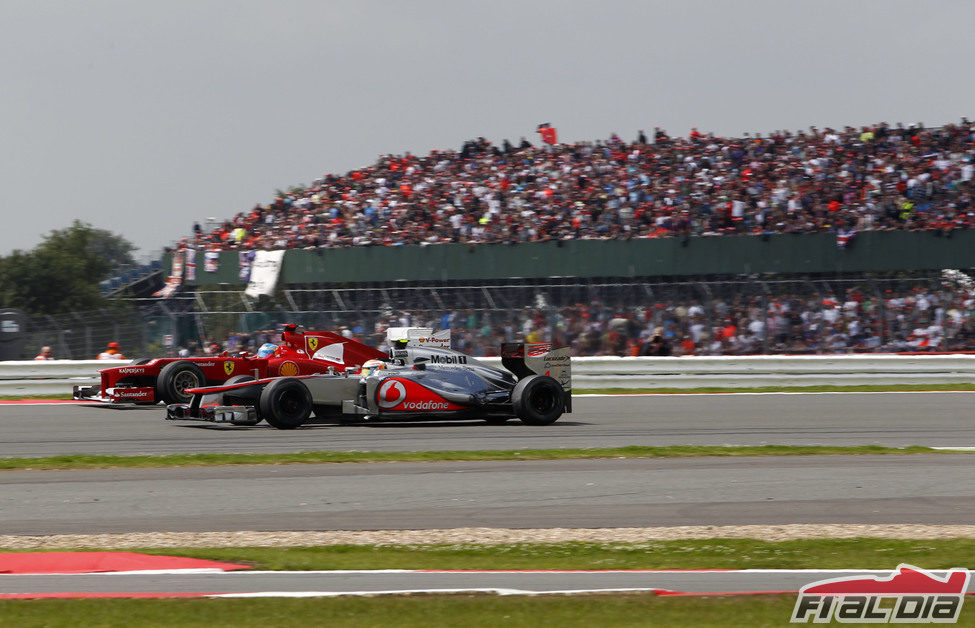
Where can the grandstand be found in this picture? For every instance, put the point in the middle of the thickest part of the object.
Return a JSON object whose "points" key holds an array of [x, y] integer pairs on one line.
{"points": [[819, 241]]}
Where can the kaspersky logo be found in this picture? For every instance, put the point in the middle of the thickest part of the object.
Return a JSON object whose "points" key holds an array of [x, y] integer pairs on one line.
{"points": [[910, 595]]}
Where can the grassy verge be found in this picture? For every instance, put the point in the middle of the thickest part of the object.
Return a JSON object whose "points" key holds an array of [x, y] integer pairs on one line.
{"points": [[859, 553], [635, 609], [406, 611], [80, 461]]}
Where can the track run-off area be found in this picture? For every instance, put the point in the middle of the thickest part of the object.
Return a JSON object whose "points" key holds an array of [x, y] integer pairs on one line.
{"points": [[529, 494]]}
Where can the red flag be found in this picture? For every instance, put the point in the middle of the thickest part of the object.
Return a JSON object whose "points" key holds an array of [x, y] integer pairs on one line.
{"points": [[548, 133]]}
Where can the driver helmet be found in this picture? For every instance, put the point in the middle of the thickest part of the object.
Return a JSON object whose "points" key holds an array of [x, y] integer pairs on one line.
{"points": [[372, 366], [267, 349]]}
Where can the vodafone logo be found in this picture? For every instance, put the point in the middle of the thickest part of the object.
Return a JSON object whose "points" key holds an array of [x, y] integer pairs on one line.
{"points": [[426, 405], [391, 394]]}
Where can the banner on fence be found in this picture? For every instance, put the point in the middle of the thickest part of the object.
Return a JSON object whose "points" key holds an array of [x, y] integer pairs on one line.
{"points": [[211, 261], [190, 265], [175, 278], [264, 273]]}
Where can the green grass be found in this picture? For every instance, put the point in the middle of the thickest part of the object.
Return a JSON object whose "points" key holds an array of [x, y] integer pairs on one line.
{"points": [[718, 553], [407, 611], [82, 461], [635, 609]]}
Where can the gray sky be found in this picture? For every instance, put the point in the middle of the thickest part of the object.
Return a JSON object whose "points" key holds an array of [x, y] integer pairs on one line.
{"points": [[141, 117]]}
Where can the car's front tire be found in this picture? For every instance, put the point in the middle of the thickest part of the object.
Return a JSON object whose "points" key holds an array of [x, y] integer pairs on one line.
{"points": [[285, 403]]}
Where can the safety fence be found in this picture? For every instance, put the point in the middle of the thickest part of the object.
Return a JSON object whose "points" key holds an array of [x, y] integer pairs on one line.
{"points": [[740, 316], [57, 376]]}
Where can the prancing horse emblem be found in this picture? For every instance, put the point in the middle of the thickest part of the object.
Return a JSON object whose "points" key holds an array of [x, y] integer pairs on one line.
{"points": [[228, 367], [313, 344]]}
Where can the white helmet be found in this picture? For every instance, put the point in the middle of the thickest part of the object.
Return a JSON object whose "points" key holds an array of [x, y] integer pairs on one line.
{"points": [[371, 366]]}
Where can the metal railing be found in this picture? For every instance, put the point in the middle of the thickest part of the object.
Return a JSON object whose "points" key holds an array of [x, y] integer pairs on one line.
{"points": [[57, 377]]}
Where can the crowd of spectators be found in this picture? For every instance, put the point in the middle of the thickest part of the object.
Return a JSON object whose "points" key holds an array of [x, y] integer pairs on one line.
{"points": [[877, 177], [918, 317]]}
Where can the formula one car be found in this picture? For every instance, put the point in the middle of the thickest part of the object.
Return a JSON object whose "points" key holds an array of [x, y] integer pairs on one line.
{"points": [[418, 381], [150, 380]]}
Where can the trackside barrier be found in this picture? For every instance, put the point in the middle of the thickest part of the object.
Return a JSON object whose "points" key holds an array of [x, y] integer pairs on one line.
{"points": [[49, 377], [57, 376]]}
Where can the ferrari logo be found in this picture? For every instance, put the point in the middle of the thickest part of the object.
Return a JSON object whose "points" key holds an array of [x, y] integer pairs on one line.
{"points": [[313, 343], [228, 367]]}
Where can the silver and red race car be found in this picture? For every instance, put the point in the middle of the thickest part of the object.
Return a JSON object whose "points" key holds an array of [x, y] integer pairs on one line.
{"points": [[150, 380], [420, 380]]}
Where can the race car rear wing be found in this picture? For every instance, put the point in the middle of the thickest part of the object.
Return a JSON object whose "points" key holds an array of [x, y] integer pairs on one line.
{"points": [[538, 358]]}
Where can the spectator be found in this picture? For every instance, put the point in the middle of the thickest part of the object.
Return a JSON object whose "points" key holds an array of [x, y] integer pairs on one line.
{"points": [[112, 352], [657, 346], [839, 181], [45, 354]]}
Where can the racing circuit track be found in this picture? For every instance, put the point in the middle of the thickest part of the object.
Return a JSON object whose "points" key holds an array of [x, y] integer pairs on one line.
{"points": [[535, 494]]}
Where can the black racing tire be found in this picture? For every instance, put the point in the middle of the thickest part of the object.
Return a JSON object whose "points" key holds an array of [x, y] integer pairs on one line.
{"points": [[538, 400], [285, 403], [175, 378], [236, 379]]}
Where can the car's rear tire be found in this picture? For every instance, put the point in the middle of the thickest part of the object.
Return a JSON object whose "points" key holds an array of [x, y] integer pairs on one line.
{"points": [[285, 403], [538, 400], [175, 378]]}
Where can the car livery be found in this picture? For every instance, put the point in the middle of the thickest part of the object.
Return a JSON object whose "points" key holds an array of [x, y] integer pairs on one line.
{"points": [[150, 380], [419, 381]]}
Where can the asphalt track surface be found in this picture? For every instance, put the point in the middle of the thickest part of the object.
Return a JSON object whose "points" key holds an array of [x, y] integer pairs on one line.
{"points": [[890, 419], [299, 584], [530, 494], [931, 489]]}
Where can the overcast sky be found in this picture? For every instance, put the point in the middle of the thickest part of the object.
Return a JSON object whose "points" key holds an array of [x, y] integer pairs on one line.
{"points": [[141, 117]]}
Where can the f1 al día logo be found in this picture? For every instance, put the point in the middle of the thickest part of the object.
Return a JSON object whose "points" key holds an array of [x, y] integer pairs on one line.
{"points": [[910, 595]]}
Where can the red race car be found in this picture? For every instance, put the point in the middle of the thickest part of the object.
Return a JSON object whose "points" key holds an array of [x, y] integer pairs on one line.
{"points": [[150, 380]]}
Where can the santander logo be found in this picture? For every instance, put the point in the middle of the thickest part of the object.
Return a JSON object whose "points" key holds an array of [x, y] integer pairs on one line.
{"points": [[391, 394]]}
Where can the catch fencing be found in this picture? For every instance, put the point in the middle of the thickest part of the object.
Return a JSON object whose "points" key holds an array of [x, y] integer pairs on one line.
{"points": [[57, 376], [570, 311]]}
